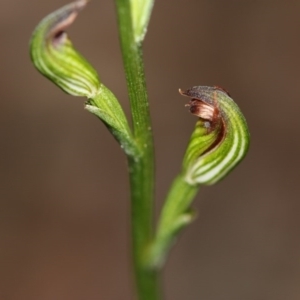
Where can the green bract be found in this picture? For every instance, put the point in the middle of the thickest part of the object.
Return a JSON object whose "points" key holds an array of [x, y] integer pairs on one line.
{"points": [[54, 56], [140, 12], [221, 137]]}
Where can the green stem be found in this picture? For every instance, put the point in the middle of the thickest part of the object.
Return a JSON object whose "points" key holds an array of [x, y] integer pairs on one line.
{"points": [[142, 167], [175, 215], [141, 222]]}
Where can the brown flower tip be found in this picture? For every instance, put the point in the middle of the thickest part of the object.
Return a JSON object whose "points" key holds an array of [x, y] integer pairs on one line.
{"points": [[62, 19], [203, 103]]}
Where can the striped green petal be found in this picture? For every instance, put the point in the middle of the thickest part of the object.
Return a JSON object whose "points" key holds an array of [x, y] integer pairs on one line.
{"points": [[54, 56], [221, 137]]}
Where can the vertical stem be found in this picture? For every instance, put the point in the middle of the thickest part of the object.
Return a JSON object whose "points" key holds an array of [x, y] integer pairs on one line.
{"points": [[141, 218], [142, 167]]}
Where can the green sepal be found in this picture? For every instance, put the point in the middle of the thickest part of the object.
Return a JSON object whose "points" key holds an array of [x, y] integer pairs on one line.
{"points": [[221, 137], [54, 56]]}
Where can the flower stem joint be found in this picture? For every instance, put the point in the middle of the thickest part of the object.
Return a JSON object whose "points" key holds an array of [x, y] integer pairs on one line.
{"points": [[220, 139]]}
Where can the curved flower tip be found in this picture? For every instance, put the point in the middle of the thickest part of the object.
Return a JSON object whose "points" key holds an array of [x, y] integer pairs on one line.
{"points": [[54, 56], [62, 19], [221, 137]]}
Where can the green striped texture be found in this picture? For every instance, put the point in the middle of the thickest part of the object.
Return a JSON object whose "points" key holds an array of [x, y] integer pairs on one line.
{"points": [[53, 54], [204, 162]]}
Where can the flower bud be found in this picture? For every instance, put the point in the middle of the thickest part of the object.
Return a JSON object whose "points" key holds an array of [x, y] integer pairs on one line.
{"points": [[220, 139], [54, 56]]}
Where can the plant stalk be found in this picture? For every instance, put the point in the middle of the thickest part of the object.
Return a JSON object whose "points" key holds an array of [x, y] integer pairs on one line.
{"points": [[141, 169]]}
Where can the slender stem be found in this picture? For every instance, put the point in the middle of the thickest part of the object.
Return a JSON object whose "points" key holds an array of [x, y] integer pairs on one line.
{"points": [[175, 215], [146, 279], [142, 167]]}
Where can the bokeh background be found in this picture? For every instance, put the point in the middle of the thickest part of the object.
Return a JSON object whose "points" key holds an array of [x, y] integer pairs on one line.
{"points": [[64, 197]]}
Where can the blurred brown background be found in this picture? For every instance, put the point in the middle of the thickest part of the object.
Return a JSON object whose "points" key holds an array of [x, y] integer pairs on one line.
{"points": [[64, 217]]}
